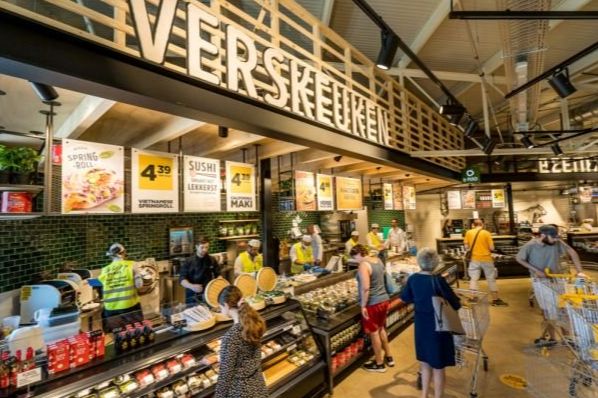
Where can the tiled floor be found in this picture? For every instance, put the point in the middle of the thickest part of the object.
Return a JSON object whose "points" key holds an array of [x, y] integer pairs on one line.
{"points": [[511, 330]]}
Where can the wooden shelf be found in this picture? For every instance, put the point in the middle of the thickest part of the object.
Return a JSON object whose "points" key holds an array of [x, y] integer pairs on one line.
{"points": [[21, 188], [235, 221], [238, 237]]}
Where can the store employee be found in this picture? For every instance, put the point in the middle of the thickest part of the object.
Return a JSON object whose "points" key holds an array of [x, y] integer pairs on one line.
{"points": [[351, 242], [198, 271], [301, 255], [120, 281], [396, 237], [249, 261]]}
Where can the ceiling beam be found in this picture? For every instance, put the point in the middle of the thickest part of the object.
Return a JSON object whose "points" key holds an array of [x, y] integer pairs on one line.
{"points": [[361, 166], [278, 148], [312, 155], [449, 76], [327, 8], [174, 128], [496, 152], [89, 110], [234, 142], [427, 31]]}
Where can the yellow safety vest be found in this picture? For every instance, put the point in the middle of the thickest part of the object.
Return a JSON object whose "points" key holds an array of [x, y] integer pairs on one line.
{"points": [[375, 239], [118, 285], [351, 244], [306, 256], [251, 265]]}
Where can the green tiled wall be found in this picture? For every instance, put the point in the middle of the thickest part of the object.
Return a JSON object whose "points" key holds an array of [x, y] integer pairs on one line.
{"points": [[283, 221], [30, 247], [383, 217]]}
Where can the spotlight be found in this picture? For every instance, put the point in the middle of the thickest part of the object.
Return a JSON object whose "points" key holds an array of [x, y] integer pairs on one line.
{"points": [[556, 149], [453, 112], [338, 158], [222, 131], [489, 146], [44, 92], [527, 142], [472, 127], [390, 43], [561, 84]]}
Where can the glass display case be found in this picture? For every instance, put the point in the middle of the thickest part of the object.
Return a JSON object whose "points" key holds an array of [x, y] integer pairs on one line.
{"points": [[585, 244]]}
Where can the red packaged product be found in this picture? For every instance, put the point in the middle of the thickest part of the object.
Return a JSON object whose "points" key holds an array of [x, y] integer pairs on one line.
{"points": [[58, 357], [16, 202], [144, 378], [79, 347], [173, 366], [188, 361], [160, 372]]}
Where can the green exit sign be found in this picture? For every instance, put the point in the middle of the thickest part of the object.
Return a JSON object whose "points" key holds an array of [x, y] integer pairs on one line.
{"points": [[470, 175]]}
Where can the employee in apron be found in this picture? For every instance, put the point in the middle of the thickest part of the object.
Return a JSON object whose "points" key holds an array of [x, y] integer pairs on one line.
{"points": [[302, 256], [120, 281], [198, 271], [375, 244], [249, 261]]}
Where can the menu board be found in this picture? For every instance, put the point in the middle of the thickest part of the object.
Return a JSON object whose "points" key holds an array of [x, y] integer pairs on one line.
{"points": [[348, 193], [397, 196], [325, 194], [498, 198], [483, 199], [409, 197], [585, 194], [453, 199], [201, 181], [305, 191], [468, 199], [92, 178], [240, 187], [388, 198], [154, 182]]}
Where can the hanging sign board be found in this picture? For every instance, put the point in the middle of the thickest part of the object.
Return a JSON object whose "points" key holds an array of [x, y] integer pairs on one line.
{"points": [[585, 194], [154, 182], [201, 181], [409, 197], [305, 191], [325, 192], [92, 178], [348, 193], [454, 200], [483, 199], [498, 198], [558, 166], [240, 187], [468, 199], [301, 89], [397, 196], [388, 198], [470, 175]]}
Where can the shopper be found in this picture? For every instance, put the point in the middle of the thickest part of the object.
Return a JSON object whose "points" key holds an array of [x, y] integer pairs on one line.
{"points": [[198, 271], [434, 350], [353, 240], [316, 243], [249, 261], [240, 374], [301, 255], [120, 281], [397, 239], [545, 251], [480, 242], [374, 301]]}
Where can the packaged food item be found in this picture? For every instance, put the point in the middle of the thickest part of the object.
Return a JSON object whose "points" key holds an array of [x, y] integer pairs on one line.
{"points": [[206, 381], [173, 366], [210, 374], [210, 359], [148, 331], [160, 372], [188, 361], [180, 388], [92, 395], [79, 350], [121, 341], [110, 392], [165, 392], [144, 378], [16, 202], [194, 382], [58, 356]]}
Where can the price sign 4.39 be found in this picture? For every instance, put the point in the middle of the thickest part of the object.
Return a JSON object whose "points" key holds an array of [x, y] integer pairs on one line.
{"points": [[156, 172], [241, 180]]}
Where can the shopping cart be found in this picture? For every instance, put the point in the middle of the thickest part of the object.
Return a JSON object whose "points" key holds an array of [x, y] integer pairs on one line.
{"points": [[475, 318]]}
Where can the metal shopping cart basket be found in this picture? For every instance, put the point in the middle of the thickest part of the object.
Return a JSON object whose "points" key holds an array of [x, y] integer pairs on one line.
{"points": [[475, 317]]}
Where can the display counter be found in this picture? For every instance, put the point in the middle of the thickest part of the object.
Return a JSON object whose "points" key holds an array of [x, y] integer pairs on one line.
{"points": [[586, 245], [506, 249], [292, 364]]}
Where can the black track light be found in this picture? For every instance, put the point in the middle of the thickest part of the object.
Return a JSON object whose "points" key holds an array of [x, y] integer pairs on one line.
{"points": [[453, 112], [527, 142], [561, 83], [556, 149], [489, 146], [222, 131], [471, 129], [390, 43], [338, 158], [44, 92]]}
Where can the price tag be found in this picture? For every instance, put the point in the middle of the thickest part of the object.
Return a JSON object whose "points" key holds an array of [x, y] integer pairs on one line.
{"points": [[29, 377], [241, 179], [156, 172]]}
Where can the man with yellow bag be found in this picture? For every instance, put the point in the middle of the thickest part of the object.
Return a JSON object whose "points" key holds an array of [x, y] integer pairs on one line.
{"points": [[120, 281], [302, 255], [249, 261]]}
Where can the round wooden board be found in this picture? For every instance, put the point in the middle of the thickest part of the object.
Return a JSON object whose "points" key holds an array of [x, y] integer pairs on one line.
{"points": [[266, 279], [212, 291], [247, 284]]}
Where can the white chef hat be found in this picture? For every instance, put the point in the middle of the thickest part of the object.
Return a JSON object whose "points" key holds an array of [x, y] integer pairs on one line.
{"points": [[306, 238], [375, 226], [254, 243], [115, 249], [355, 233]]}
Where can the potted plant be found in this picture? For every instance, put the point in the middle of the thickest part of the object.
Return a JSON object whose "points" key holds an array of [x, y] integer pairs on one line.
{"points": [[4, 165], [22, 163]]}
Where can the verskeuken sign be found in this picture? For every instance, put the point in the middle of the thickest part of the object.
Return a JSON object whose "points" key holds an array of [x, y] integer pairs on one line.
{"points": [[301, 89]]}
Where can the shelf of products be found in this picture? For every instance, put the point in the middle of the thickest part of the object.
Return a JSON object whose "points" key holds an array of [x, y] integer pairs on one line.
{"points": [[33, 189], [185, 364], [239, 237], [237, 229], [585, 244]]}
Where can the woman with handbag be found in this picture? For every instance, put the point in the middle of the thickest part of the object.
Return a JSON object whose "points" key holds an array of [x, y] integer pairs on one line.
{"points": [[374, 301], [434, 349]]}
